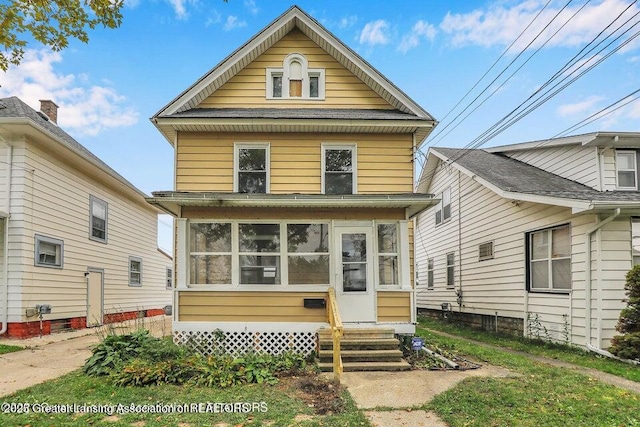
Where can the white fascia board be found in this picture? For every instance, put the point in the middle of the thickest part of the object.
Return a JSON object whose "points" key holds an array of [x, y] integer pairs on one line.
{"points": [[544, 143], [177, 121]]}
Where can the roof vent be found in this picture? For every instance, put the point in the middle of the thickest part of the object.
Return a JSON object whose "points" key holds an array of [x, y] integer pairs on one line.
{"points": [[49, 108]]}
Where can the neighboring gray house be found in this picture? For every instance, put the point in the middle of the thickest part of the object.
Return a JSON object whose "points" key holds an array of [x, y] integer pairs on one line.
{"points": [[510, 243], [74, 234]]}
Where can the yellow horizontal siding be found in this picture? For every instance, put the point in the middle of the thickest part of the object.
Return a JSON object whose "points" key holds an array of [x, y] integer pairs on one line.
{"points": [[248, 307], [248, 87], [394, 307], [205, 161]]}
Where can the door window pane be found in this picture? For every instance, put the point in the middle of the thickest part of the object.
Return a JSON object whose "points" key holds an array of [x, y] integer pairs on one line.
{"points": [[354, 276], [354, 247]]}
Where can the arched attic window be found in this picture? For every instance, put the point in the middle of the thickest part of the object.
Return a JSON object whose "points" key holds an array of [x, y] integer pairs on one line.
{"points": [[295, 80]]}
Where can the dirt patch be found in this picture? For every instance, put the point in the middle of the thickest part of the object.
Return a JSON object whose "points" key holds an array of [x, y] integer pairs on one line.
{"points": [[325, 397]]}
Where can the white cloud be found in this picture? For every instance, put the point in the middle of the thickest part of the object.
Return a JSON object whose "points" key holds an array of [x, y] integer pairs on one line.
{"points": [[579, 108], [180, 7], [250, 5], [232, 22], [214, 18], [347, 21], [373, 33], [421, 29], [500, 24], [85, 109]]}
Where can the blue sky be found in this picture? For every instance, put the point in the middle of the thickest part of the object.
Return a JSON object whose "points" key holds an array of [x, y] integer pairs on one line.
{"points": [[435, 51]]}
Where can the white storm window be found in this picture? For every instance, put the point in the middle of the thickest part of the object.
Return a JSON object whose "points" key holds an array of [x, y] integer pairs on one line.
{"points": [[98, 219], [135, 271], [443, 210], [339, 169], [388, 254], [251, 168], [295, 80], [549, 258], [626, 170], [48, 252]]}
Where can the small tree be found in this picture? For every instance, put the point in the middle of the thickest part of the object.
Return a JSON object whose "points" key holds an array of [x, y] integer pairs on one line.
{"points": [[627, 346]]}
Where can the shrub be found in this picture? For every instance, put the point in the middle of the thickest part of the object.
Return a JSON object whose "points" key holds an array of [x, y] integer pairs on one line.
{"points": [[627, 346]]}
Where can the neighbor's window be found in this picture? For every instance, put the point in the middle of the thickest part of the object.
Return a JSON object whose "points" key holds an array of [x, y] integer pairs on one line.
{"points": [[169, 278], [430, 273], [48, 252], [485, 251], [388, 254], [252, 168], [635, 240], [135, 271], [308, 254], [210, 253], [626, 169], [450, 270], [549, 258], [443, 210], [259, 254], [339, 170], [98, 219]]}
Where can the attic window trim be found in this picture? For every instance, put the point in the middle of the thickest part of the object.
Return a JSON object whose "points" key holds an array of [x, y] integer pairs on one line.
{"points": [[284, 73]]}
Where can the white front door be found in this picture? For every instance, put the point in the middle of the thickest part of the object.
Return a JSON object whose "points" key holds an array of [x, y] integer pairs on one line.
{"points": [[95, 295], [354, 275]]}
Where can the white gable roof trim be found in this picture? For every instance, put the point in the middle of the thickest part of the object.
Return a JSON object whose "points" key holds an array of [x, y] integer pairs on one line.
{"points": [[294, 17]]}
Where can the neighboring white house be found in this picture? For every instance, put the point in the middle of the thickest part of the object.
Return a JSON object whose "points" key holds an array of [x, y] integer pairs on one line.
{"points": [[74, 234], [509, 244]]}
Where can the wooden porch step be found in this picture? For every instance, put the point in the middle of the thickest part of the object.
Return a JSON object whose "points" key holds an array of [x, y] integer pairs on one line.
{"points": [[363, 356], [362, 344], [359, 333], [367, 366]]}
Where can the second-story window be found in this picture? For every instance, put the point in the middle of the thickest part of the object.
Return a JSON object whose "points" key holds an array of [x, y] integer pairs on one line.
{"points": [[626, 170], [443, 210], [252, 168], [98, 219], [339, 171]]}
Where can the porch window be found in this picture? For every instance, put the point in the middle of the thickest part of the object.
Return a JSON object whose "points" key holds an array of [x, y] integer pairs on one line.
{"points": [[388, 254], [210, 253], [626, 170], [308, 254], [339, 166], [98, 219], [259, 254], [549, 259], [48, 251], [252, 168]]}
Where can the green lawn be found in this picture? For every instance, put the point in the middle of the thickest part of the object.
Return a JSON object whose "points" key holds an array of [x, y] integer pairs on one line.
{"points": [[9, 348], [279, 405], [537, 395], [565, 353]]}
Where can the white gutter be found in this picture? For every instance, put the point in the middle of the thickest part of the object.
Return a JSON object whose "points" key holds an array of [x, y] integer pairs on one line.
{"points": [[588, 282], [5, 246]]}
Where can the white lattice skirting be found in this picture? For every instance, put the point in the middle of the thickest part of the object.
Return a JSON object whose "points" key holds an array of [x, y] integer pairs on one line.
{"points": [[238, 343]]}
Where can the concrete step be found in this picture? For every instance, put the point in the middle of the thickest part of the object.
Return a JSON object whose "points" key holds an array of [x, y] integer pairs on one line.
{"points": [[362, 344], [360, 333], [363, 356], [367, 366]]}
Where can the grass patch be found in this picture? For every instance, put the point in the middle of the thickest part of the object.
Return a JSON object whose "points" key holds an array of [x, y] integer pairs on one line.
{"points": [[540, 395], [551, 350], [9, 348], [284, 404]]}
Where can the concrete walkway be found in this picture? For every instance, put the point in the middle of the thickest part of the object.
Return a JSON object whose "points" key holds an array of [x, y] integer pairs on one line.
{"points": [[52, 356]]}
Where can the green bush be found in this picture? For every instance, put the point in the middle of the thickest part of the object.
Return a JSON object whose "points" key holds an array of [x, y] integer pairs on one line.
{"points": [[627, 346]]}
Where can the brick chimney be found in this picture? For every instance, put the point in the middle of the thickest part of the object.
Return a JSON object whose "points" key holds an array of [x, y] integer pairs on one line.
{"points": [[50, 108]]}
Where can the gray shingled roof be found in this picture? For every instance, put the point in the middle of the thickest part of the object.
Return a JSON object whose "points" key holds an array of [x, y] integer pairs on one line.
{"points": [[296, 113], [515, 176], [13, 107]]}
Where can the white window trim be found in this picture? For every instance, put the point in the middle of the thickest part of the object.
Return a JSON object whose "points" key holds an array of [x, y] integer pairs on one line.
{"points": [[354, 163], [440, 207], [53, 241], [251, 145], [95, 199], [453, 268], [550, 288], [306, 73], [138, 259], [635, 170], [488, 257]]}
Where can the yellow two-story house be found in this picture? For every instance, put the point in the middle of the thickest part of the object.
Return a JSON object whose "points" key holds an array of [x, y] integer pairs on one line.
{"points": [[294, 175]]}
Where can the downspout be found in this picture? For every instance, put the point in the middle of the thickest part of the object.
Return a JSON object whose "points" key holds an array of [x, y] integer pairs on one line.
{"points": [[5, 248], [587, 319], [459, 296]]}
